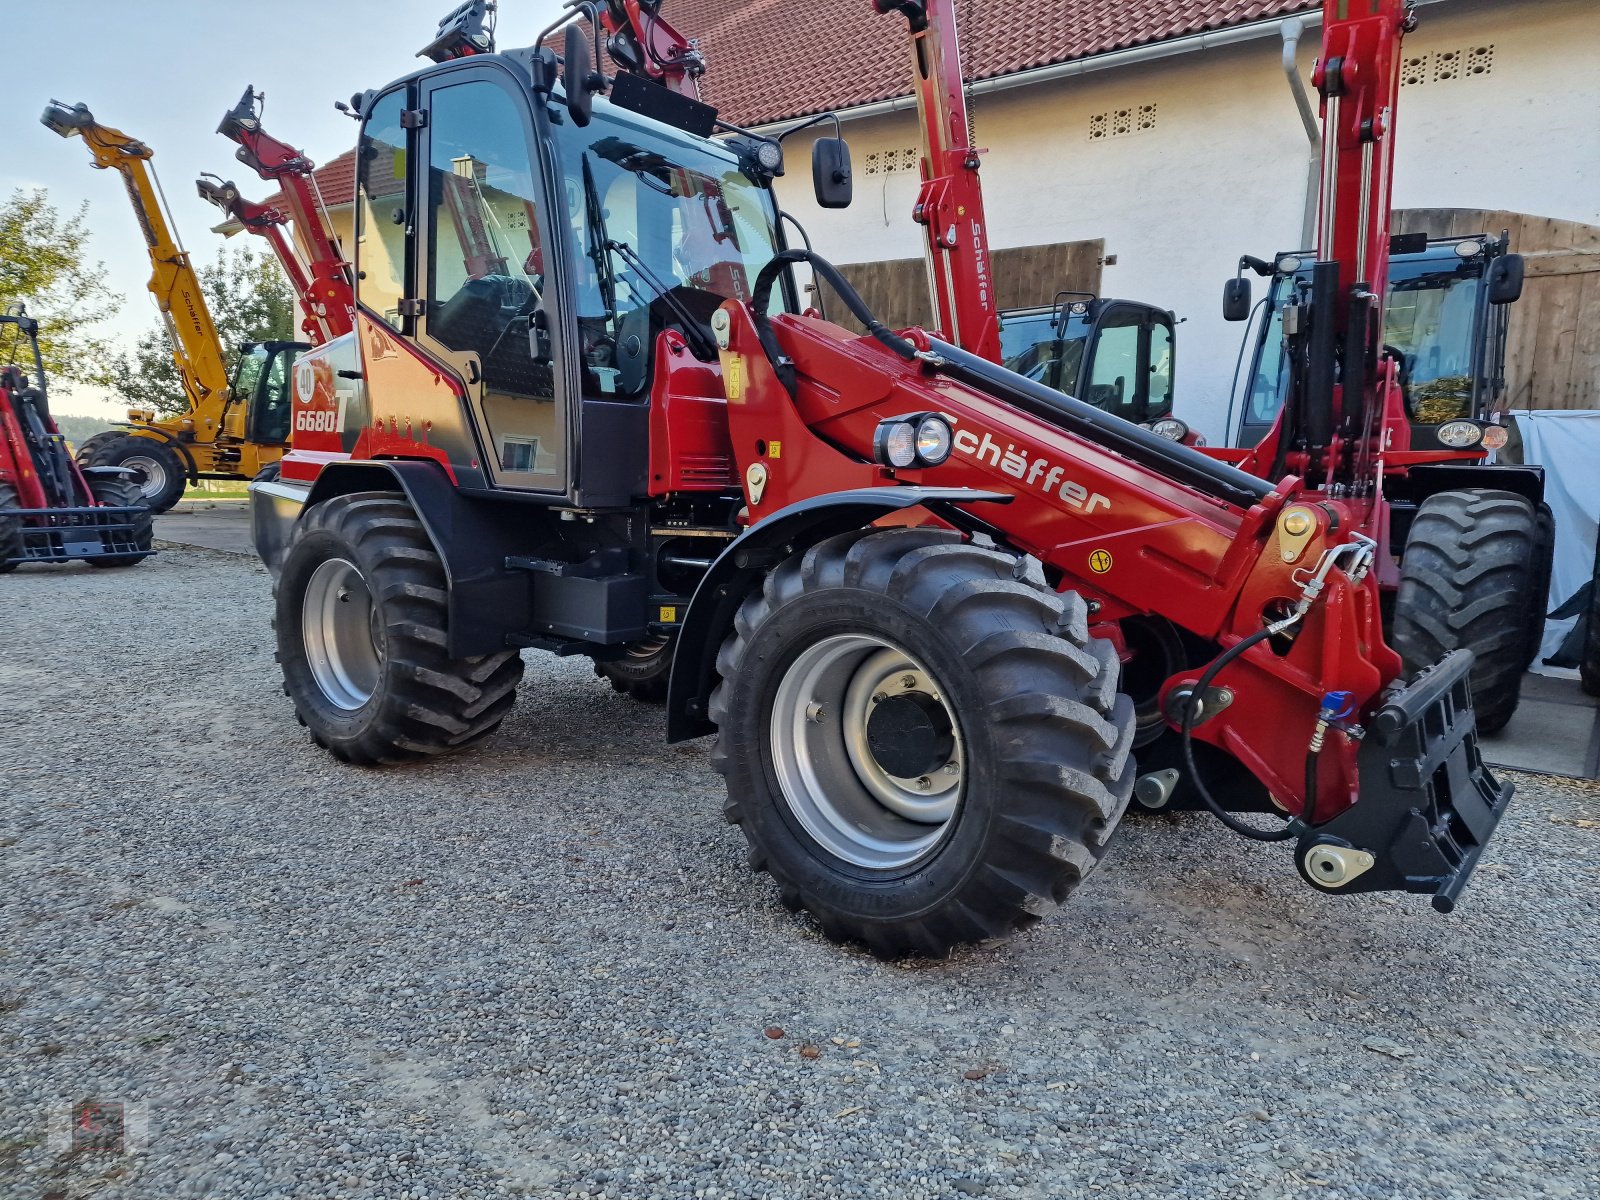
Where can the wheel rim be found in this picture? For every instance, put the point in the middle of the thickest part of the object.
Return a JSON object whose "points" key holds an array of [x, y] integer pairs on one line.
{"points": [[849, 714], [339, 626], [151, 474]]}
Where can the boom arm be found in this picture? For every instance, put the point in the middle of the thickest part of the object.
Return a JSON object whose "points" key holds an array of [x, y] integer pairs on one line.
{"points": [[329, 296], [196, 349], [266, 221]]}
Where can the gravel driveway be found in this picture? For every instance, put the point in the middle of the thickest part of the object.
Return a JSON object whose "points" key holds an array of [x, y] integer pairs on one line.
{"points": [[544, 969]]}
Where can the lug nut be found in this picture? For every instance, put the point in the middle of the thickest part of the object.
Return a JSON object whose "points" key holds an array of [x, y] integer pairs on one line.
{"points": [[924, 784], [908, 682], [879, 697]]}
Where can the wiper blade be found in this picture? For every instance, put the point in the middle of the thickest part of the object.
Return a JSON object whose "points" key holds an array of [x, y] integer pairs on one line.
{"points": [[595, 218], [700, 340]]}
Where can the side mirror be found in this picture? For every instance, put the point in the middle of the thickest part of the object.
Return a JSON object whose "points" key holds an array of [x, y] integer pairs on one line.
{"points": [[539, 347], [1236, 299], [575, 77], [830, 172], [1505, 279]]}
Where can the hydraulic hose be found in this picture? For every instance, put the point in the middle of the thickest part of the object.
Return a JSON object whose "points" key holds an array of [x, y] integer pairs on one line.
{"points": [[1191, 705]]}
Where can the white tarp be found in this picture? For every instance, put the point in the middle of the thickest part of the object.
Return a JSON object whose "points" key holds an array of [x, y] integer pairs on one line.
{"points": [[1567, 444]]}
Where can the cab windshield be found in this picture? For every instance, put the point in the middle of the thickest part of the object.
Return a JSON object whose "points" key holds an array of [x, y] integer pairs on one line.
{"points": [[667, 228], [1430, 317], [1035, 344]]}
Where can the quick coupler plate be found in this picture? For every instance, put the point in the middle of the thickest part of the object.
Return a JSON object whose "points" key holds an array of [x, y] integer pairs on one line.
{"points": [[1428, 805]]}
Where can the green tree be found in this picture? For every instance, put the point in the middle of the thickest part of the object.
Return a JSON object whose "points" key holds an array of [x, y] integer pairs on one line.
{"points": [[44, 265], [250, 302]]}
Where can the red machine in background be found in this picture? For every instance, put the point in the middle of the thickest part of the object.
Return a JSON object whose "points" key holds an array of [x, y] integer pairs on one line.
{"points": [[51, 509], [270, 223], [324, 286], [901, 580]]}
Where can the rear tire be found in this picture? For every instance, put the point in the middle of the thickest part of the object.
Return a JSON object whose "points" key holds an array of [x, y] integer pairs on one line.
{"points": [[270, 473], [361, 620], [123, 493], [159, 470], [1467, 582], [11, 538], [971, 808], [1589, 664], [642, 672]]}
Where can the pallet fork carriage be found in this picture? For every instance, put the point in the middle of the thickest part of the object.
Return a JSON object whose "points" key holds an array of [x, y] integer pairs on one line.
{"points": [[903, 580], [51, 509]]}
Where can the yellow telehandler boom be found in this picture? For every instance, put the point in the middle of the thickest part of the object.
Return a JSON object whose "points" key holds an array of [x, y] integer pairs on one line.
{"points": [[235, 427]]}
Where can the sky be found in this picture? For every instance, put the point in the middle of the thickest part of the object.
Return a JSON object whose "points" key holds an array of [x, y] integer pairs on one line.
{"points": [[164, 71]]}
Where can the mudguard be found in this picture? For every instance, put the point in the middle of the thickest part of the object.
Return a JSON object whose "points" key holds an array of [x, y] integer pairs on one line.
{"points": [[743, 564]]}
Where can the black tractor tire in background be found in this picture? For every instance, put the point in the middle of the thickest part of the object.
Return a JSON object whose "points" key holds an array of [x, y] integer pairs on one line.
{"points": [[270, 473], [1544, 563], [1589, 663], [997, 673], [11, 540], [1467, 582], [161, 472], [375, 684], [642, 671], [123, 493]]}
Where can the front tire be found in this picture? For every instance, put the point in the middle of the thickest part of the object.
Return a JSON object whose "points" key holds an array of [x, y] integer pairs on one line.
{"points": [[123, 493], [1467, 582], [361, 619], [921, 750], [156, 466]]}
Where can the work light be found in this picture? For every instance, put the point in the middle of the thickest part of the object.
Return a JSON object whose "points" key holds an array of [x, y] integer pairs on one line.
{"points": [[1460, 435], [915, 440]]}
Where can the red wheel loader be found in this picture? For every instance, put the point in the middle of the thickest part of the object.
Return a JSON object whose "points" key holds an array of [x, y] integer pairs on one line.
{"points": [[903, 580], [51, 509]]}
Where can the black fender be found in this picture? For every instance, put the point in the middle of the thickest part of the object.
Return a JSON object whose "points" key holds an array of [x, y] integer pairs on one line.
{"points": [[473, 536], [1429, 479], [746, 561]]}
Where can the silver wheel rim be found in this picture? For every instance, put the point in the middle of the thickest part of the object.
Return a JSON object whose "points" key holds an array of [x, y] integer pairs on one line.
{"points": [[151, 472], [828, 774], [338, 625]]}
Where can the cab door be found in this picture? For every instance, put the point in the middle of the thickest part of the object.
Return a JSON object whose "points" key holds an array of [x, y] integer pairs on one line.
{"points": [[482, 234], [1129, 367]]}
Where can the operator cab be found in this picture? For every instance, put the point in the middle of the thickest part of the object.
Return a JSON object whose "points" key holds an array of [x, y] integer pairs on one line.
{"points": [[1115, 354], [261, 381], [1445, 317], [534, 252]]}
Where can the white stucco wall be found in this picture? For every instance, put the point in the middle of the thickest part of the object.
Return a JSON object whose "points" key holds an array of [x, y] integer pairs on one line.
{"points": [[1223, 171]]}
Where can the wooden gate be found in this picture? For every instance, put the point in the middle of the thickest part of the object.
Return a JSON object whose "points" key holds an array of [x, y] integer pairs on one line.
{"points": [[896, 290], [1553, 343]]}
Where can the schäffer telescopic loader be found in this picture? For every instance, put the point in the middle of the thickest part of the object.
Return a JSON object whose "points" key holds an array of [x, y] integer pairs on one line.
{"points": [[898, 574]]}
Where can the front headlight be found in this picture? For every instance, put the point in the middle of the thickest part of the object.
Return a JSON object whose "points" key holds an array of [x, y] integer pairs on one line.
{"points": [[934, 440], [1460, 435], [1170, 428], [915, 440]]}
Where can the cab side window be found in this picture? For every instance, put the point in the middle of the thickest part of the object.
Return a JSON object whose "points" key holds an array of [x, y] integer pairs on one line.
{"points": [[1161, 371], [381, 216], [485, 261]]}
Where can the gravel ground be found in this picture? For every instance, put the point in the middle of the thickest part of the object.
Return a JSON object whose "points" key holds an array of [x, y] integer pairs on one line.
{"points": [[544, 969]]}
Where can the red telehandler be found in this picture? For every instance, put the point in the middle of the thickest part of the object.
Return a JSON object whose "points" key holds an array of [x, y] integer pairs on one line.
{"points": [[51, 509], [902, 578]]}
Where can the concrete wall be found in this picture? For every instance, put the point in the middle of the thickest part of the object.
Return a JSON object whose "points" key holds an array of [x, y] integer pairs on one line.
{"points": [[1223, 170]]}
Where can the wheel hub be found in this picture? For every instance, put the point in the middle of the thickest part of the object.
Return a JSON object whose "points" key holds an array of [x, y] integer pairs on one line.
{"points": [[343, 634], [868, 756], [910, 734], [149, 473]]}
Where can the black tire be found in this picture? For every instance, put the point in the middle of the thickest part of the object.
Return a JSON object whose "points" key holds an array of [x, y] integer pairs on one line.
{"points": [[421, 702], [11, 538], [270, 473], [1589, 664], [1044, 741], [161, 473], [1544, 562], [642, 672], [1466, 582], [123, 493], [86, 451]]}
